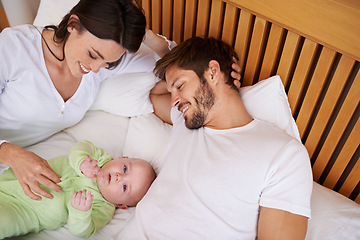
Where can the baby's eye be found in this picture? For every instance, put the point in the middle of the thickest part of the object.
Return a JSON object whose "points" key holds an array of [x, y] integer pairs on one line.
{"points": [[124, 187], [124, 169]]}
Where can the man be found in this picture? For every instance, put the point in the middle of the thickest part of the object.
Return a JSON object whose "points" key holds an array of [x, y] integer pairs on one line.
{"points": [[226, 175]]}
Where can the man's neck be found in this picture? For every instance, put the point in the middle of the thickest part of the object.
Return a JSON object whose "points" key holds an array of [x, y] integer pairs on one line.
{"points": [[228, 112]]}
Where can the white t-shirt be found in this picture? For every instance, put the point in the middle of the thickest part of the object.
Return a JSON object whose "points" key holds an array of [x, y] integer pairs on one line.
{"points": [[213, 182], [31, 109]]}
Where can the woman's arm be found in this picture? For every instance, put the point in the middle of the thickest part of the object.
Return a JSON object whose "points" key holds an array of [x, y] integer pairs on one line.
{"points": [[30, 170], [157, 43]]}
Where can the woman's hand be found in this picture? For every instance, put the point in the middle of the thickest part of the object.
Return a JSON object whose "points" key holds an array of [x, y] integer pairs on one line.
{"points": [[82, 201], [89, 167], [30, 170]]}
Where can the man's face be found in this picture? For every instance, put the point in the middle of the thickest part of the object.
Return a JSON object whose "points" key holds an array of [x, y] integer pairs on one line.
{"points": [[192, 97]]}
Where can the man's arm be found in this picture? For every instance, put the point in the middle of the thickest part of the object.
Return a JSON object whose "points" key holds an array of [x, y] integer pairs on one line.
{"points": [[278, 224], [161, 100]]}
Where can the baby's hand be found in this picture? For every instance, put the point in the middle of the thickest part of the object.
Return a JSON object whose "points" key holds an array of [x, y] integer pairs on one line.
{"points": [[89, 167], [80, 201]]}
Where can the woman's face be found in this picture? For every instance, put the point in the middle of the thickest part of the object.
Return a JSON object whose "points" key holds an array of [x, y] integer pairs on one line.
{"points": [[85, 52]]}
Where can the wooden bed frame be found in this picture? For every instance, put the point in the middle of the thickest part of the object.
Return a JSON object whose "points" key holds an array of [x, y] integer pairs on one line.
{"points": [[314, 45]]}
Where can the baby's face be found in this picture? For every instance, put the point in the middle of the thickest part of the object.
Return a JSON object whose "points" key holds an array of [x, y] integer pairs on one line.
{"points": [[125, 181]]}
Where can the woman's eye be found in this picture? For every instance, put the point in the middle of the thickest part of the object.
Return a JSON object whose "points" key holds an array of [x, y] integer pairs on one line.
{"points": [[124, 169], [124, 187], [91, 55]]}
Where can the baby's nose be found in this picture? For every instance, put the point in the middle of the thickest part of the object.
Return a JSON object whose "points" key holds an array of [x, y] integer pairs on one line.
{"points": [[118, 176]]}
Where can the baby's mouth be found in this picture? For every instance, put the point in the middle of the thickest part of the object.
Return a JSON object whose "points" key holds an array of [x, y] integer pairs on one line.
{"points": [[109, 178]]}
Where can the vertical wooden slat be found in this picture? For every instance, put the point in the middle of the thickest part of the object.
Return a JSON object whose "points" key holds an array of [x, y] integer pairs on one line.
{"points": [[229, 30], [243, 36], [301, 73], [316, 85], [146, 5], [203, 18], [167, 19], [179, 8], [254, 57], [351, 181], [273, 47], [288, 57], [216, 19], [336, 86], [190, 19], [358, 198], [347, 110], [156, 16], [346, 153]]}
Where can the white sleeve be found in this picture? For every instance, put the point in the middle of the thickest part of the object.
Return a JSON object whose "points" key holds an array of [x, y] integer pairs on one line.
{"points": [[8, 58], [171, 44], [289, 185]]}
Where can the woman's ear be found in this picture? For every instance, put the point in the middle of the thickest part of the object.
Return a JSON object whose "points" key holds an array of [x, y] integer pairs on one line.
{"points": [[73, 22], [214, 71]]}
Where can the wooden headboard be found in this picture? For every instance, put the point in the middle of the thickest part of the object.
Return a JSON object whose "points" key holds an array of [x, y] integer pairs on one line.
{"points": [[314, 45]]}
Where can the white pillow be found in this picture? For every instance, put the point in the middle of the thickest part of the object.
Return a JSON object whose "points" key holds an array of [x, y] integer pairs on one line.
{"points": [[333, 216], [267, 101], [126, 94], [103, 129], [51, 12], [147, 138]]}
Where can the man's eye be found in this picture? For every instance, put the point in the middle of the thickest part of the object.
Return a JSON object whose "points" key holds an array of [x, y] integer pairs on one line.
{"points": [[91, 55], [124, 187], [124, 169], [180, 86]]}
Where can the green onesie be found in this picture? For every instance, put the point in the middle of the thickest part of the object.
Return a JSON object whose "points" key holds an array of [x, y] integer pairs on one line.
{"points": [[20, 215]]}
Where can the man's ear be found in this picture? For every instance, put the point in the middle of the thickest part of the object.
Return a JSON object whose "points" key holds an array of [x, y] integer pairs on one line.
{"points": [[214, 71], [122, 206]]}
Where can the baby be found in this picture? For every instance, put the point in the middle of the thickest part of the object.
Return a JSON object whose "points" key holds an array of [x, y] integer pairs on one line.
{"points": [[93, 185]]}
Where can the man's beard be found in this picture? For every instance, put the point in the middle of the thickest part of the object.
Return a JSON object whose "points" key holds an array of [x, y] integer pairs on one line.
{"points": [[204, 99]]}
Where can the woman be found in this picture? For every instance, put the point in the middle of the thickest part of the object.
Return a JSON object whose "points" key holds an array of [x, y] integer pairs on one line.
{"points": [[50, 77]]}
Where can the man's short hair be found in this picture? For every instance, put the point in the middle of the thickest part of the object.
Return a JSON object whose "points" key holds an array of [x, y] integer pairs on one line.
{"points": [[195, 54]]}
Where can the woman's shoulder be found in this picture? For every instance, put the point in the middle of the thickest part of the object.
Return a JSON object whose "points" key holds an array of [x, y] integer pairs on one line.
{"points": [[22, 32]]}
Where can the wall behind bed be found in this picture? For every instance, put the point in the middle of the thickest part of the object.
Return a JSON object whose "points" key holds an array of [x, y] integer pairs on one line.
{"points": [[314, 45]]}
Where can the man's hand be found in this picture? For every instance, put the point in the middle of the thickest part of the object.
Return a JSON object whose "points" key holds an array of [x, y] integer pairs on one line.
{"points": [[81, 201], [30, 170], [89, 167], [236, 74]]}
